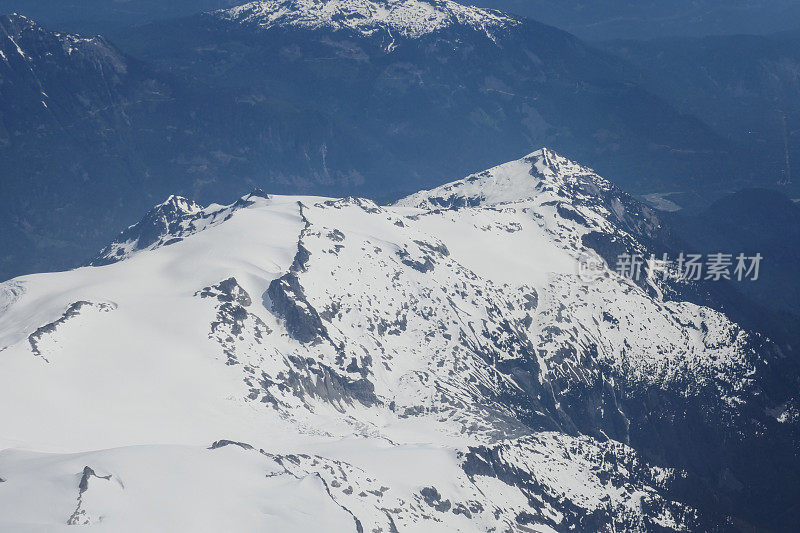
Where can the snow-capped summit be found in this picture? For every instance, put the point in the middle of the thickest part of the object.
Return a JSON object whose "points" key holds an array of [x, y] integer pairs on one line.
{"points": [[406, 18], [510, 182], [168, 223], [586, 204], [22, 37], [164, 224]]}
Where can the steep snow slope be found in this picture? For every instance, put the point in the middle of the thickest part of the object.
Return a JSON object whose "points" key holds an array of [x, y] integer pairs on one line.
{"points": [[289, 363]]}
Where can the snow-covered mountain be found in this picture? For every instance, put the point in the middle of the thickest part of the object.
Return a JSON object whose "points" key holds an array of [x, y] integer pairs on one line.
{"points": [[297, 363], [407, 18]]}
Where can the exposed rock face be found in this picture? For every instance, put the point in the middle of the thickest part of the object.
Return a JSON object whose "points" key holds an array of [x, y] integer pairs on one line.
{"points": [[41, 335], [80, 516], [288, 301], [233, 318]]}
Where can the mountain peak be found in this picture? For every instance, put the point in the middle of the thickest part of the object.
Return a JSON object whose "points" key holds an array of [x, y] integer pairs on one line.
{"points": [[514, 181], [164, 224], [17, 19], [170, 222], [14, 27], [24, 38], [406, 18], [178, 204]]}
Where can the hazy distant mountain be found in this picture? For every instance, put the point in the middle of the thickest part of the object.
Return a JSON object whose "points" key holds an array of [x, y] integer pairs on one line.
{"points": [[756, 221], [426, 79], [89, 137], [66, 148], [646, 19], [98, 16], [744, 87]]}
